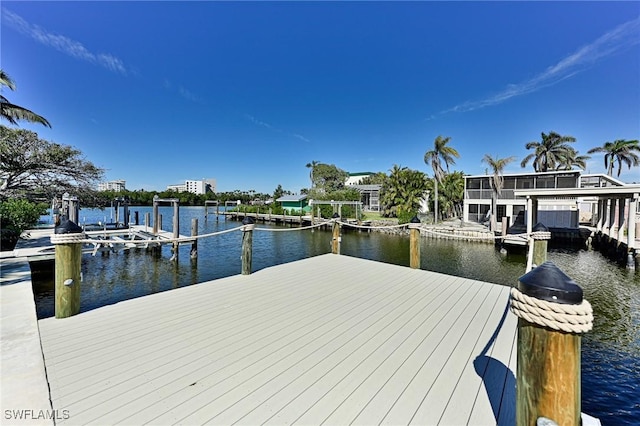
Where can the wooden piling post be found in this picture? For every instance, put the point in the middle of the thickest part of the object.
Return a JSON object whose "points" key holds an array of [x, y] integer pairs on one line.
{"points": [[68, 260], [414, 243], [336, 240], [548, 365], [147, 220], [126, 213], [247, 244], [136, 217], [176, 227], [194, 233], [156, 216], [541, 236]]}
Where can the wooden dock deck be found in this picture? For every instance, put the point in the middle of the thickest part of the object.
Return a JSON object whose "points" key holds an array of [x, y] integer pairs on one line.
{"points": [[330, 339]]}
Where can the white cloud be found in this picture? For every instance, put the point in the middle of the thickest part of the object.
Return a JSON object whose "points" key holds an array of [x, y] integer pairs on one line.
{"points": [[188, 94], [259, 123], [302, 138], [620, 38], [62, 44]]}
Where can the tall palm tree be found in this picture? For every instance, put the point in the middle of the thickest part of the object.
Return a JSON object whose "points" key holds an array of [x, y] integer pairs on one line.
{"points": [[13, 113], [549, 153], [440, 153], [622, 151], [312, 166], [497, 167]]}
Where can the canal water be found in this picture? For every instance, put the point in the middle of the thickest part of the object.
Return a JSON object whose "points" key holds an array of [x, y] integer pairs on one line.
{"points": [[610, 352]]}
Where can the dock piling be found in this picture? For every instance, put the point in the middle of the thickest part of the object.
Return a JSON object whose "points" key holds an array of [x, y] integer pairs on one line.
{"points": [[68, 275], [552, 314], [194, 233], [176, 228], [541, 236], [247, 244], [335, 241], [414, 243]]}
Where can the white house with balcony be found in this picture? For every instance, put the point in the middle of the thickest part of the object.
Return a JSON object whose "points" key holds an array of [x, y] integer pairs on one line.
{"points": [[561, 211]]}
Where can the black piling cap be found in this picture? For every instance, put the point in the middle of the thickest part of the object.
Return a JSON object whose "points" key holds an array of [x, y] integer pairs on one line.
{"points": [[540, 227], [548, 282], [335, 216], [247, 220], [67, 227], [414, 220]]}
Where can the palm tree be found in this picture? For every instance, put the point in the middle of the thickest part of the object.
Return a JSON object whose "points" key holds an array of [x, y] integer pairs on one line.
{"points": [[621, 151], [452, 194], [549, 153], [440, 152], [402, 192], [312, 166], [13, 113], [497, 167], [573, 159]]}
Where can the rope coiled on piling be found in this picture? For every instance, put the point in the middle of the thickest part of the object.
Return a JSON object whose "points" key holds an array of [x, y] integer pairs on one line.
{"points": [[558, 316], [68, 238]]}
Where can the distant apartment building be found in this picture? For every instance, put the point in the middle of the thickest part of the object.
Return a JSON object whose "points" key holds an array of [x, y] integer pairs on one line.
{"points": [[194, 186], [113, 185]]}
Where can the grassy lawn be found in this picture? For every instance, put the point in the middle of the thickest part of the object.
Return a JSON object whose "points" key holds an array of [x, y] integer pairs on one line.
{"points": [[377, 216]]}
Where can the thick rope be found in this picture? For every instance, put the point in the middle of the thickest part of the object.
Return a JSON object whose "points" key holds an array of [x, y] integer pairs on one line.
{"points": [[302, 228], [68, 238], [557, 316], [355, 225], [487, 236]]}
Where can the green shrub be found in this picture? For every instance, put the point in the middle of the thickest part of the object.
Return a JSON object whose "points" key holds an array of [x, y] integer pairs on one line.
{"points": [[405, 216], [16, 215]]}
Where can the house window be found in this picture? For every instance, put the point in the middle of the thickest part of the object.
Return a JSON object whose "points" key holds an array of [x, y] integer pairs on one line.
{"points": [[545, 182], [524, 183], [473, 184], [567, 182], [502, 211], [509, 183]]}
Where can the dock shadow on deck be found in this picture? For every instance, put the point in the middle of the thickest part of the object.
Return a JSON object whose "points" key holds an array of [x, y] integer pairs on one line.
{"points": [[329, 339]]}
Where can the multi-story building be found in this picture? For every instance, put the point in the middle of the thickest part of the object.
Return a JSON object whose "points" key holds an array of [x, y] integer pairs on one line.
{"points": [[179, 187], [561, 212], [113, 185], [194, 186]]}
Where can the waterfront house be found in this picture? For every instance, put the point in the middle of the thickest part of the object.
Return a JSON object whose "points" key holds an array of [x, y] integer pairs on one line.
{"points": [[369, 194], [561, 211], [294, 203]]}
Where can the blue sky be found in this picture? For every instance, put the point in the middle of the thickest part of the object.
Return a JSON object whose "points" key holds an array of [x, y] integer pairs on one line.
{"points": [[249, 93]]}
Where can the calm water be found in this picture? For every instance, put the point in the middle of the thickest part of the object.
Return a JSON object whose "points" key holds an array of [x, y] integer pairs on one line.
{"points": [[610, 355]]}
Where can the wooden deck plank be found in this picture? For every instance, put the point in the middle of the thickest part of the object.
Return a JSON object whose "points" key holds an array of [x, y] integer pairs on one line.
{"points": [[218, 382], [461, 355], [396, 401], [354, 340], [195, 352], [470, 381], [335, 364], [320, 399]]}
